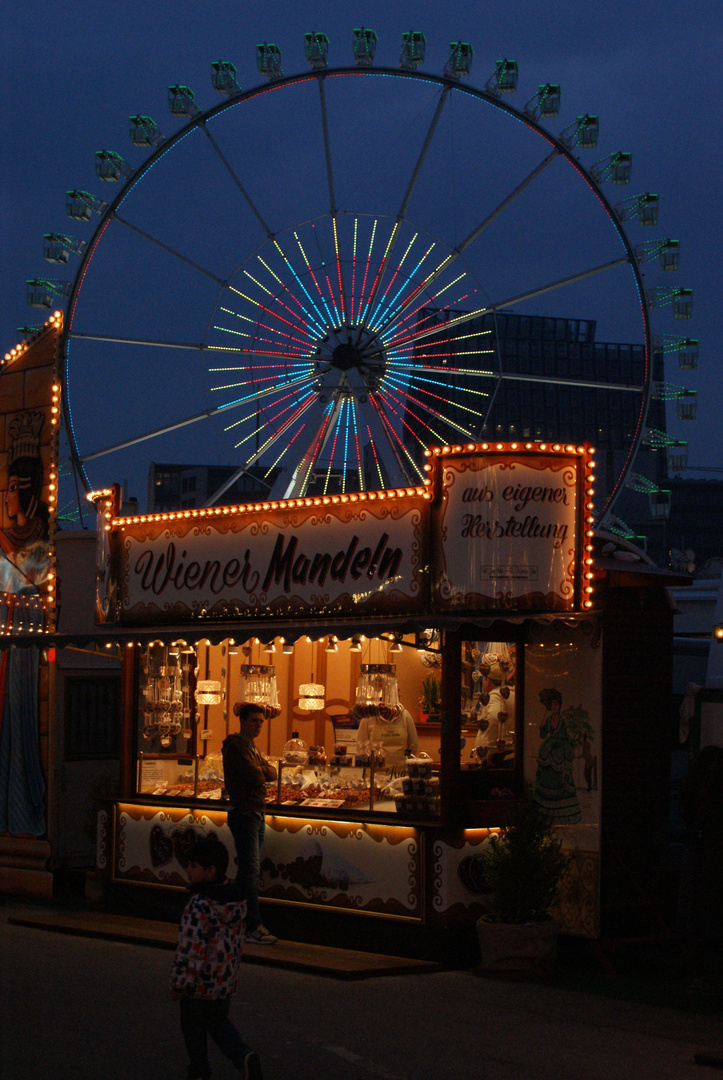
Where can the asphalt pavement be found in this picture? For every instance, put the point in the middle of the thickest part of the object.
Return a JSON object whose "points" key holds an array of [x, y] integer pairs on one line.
{"points": [[77, 1008]]}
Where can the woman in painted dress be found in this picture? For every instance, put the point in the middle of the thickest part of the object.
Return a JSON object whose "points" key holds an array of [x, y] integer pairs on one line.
{"points": [[24, 564], [555, 793]]}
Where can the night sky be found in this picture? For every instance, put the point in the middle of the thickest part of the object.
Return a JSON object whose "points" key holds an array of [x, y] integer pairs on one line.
{"points": [[74, 75]]}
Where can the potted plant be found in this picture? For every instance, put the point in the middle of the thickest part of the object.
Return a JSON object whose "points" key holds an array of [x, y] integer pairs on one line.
{"points": [[430, 699], [517, 875]]}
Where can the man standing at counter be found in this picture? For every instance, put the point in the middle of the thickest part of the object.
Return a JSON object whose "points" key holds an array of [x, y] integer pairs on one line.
{"points": [[245, 773]]}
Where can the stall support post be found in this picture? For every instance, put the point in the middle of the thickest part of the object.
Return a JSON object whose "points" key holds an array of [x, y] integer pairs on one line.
{"points": [[129, 699], [450, 772]]}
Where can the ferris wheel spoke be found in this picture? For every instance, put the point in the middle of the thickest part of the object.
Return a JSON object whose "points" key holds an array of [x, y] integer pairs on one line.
{"points": [[429, 407], [206, 414], [377, 463], [192, 346], [297, 325], [313, 323], [401, 213], [470, 238], [299, 482], [418, 378], [252, 205], [384, 304], [171, 251], [256, 380], [511, 301], [414, 364], [425, 303], [405, 462], [270, 441], [556, 380], [399, 359], [402, 210], [332, 197], [288, 344], [377, 281], [338, 425], [319, 318], [330, 321], [404, 459], [401, 407], [155, 343], [298, 404]]}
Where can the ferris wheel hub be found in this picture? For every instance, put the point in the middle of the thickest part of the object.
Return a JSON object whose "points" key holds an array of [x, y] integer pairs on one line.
{"points": [[346, 356]]}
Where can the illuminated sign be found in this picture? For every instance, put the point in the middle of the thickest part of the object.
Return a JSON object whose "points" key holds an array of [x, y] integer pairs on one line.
{"points": [[294, 560], [508, 527]]}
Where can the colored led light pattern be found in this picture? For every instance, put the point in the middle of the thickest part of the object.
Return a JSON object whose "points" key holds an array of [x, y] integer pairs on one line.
{"points": [[325, 327]]}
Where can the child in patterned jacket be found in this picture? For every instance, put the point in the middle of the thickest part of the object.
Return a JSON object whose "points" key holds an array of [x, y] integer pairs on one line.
{"points": [[205, 969]]}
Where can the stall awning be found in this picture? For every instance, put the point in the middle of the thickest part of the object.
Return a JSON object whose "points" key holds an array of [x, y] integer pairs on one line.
{"points": [[99, 638]]}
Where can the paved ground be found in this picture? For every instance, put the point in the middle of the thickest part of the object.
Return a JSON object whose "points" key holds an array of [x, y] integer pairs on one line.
{"points": [[76, 1008]]}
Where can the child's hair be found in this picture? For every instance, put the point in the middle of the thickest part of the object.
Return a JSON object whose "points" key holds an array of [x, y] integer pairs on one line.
{"points": [[209, 851]]}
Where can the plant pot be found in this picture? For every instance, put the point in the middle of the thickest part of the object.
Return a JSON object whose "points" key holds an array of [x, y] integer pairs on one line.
{"points": [[429, 717], [510, 951]]}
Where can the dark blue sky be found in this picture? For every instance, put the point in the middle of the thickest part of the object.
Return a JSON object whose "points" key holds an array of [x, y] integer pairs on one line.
{"points": [[652, 74]]}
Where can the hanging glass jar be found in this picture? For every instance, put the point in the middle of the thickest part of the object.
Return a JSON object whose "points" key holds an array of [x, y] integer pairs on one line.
{"points": [[377, 693], [165, 703], [257, 685]]}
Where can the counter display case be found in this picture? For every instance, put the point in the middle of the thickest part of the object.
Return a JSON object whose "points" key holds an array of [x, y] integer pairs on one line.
{"points": [[358, 749]]}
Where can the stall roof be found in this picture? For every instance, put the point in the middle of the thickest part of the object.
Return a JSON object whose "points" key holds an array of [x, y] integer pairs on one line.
{"points": [[215, 632], [625, 564]]}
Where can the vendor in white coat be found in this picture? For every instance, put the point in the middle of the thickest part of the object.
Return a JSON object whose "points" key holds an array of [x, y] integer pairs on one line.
{"points": [[397, 737]]}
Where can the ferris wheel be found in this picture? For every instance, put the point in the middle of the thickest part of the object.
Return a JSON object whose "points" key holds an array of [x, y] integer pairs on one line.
{"points": [[315, 279]]}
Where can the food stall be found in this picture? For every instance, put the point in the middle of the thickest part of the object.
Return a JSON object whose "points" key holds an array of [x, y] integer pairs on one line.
{"points": [[469, 607]]}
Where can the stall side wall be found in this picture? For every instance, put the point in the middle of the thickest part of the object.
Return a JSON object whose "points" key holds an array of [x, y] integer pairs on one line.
{"points": [[562, 767], [563, 755], [637, 687]]}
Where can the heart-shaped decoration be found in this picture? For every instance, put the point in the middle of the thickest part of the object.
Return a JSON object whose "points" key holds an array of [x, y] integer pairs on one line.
{"points": [[183, 843], [161, 847]]}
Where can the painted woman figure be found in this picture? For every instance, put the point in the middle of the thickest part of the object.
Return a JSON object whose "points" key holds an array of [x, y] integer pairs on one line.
{"points": [[24, 563], [555, 791]]}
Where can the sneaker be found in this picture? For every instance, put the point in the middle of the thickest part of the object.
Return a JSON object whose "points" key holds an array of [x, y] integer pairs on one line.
{"points": [[261, 936], [252, 1065]]}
